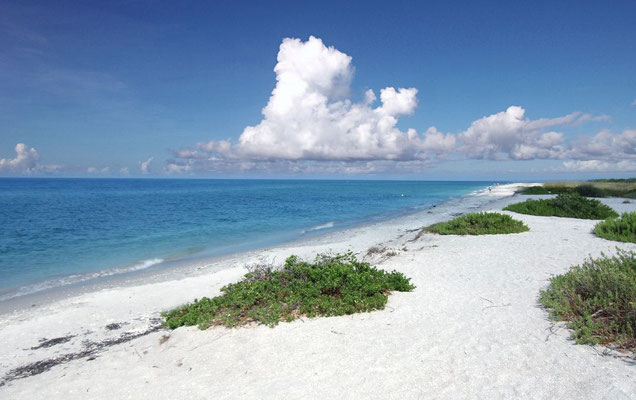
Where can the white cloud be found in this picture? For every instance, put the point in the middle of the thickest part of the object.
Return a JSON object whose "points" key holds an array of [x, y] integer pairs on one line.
{"points": [[124, 171], [508, 134], [97, 170], [144, 166], [26, 160], [310, 118], [438, 143], [605, 145], [599, 165]]}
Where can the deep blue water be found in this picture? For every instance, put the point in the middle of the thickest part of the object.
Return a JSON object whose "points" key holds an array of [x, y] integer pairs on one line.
{"points": [[58, 231]]}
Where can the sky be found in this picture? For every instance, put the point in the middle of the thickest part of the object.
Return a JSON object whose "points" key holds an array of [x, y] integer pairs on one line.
{"points": [[356, 90]]}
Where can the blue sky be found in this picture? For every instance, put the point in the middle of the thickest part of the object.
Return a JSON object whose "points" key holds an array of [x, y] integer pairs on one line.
{"points": [[99, 89]]}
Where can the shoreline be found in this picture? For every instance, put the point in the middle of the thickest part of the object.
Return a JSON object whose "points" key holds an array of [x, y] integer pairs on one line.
{"points": [[472, 327], [174, 268]]}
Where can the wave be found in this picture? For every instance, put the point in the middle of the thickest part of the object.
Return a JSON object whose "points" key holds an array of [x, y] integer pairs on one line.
{"points": [[78, 278], [327, 225]]}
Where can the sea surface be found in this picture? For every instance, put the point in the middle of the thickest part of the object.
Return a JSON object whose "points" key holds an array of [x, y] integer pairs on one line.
{"points": [[60, 232]]}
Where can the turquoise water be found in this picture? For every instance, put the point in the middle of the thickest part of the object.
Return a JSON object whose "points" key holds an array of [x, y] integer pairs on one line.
{"points": [[55, 232]]}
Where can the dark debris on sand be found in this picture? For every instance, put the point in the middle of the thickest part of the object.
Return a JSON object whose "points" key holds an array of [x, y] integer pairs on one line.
{"points": [[91, 350], [46, 343], [114, 326]]}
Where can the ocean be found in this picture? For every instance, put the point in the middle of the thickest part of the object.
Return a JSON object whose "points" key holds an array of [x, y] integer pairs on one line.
{"points": [[60, 232]]}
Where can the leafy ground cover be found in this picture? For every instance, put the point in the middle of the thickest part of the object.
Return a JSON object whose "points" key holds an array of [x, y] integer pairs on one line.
{"points": [[479, 224], [621, 229], [598, 300], [331, 285], [565, 205]]}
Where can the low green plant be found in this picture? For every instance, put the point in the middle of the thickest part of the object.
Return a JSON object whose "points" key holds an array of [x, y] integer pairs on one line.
{"points": [[332, 285], [534, 190], [479, 224], [621, 229], [595, 188], [598, 300], [570, 205]]}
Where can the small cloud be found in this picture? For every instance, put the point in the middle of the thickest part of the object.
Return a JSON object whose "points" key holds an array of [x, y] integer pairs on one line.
{"points": [[124, 171], [26, 161], [634, 102], [144, 166], [96, 170]]}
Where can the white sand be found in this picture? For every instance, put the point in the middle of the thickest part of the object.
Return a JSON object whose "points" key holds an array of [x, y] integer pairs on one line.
{"points": [[471, 329]]}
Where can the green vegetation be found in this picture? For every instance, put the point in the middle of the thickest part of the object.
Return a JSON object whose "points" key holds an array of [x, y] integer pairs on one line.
{"points": [[565, 205], [621, 229], [613, 180], [534, 190], [595, 188], [332, 285], [598, 299], [479, 224]]}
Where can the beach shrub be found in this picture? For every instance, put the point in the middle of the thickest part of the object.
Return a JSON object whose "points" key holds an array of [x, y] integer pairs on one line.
{"points": [[621, 229], [590, 191], [534, 190], [479, 224], [595, 188], [598, 300], [331, 285], [565, 205]]}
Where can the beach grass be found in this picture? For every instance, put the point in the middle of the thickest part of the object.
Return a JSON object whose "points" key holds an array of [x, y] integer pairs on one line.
{"points": [[479, 224], [571, 205], [332, 285], [621, 229], [592, 188], [595, 188], [598, 300]]}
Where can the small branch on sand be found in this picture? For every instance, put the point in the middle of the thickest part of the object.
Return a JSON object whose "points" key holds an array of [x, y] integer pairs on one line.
{"points": [[503, 305], [551, 332]]}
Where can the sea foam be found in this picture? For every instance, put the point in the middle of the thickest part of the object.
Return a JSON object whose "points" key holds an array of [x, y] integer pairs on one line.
{"points": [[77, 278], [327, 225]]}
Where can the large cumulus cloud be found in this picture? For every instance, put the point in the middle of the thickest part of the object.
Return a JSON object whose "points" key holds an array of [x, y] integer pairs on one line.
{"points": [[310, 116]]}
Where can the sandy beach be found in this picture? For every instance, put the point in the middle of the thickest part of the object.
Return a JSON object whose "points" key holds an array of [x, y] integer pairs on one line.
{"points": [[471, 329]]}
